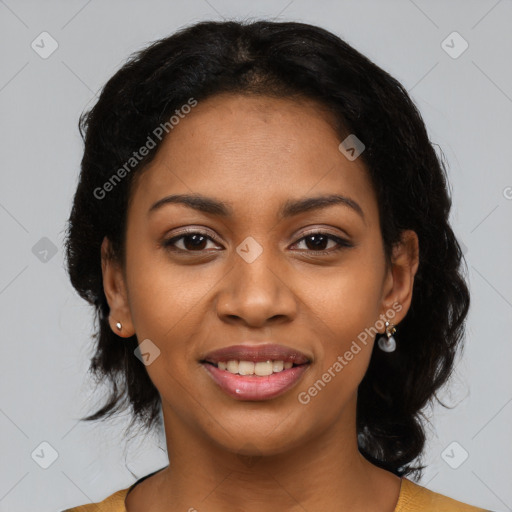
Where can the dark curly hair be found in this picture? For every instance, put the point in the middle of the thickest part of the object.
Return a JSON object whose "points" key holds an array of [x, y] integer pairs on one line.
{"points": [[296, 60]]}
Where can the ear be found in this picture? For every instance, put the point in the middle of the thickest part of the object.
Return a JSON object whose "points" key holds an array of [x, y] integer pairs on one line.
{"points": [[399, 281], [114, 287]]}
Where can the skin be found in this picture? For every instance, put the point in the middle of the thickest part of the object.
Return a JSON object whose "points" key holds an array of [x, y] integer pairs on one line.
{"points": [[255, 153]]}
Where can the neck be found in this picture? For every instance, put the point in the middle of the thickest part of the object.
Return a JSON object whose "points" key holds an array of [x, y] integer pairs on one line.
{"points": [[324, 473]]}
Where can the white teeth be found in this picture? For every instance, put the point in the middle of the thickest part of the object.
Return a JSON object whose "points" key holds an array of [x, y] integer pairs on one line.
{"points": [[263, 368], [246, 368], [232, 366], [277, 366], [260, 368]]}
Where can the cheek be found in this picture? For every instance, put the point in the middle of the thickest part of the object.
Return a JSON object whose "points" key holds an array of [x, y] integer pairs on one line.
{"points": [[345, 306], [341, 317], [348, 298], [164, 296]]}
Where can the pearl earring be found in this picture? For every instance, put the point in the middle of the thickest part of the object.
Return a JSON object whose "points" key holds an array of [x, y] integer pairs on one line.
{"points": [[388, 343], [119, 326]]}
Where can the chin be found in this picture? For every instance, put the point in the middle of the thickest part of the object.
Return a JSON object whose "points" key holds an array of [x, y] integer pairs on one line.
{"points": [[255, 440]]}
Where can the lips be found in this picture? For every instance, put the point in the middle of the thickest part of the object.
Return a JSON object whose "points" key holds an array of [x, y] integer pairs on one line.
{"points": [[256, 353], [253, 387]]}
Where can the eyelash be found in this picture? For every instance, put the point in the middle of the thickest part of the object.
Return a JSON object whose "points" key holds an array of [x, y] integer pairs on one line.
{"points": [[340, 241]]}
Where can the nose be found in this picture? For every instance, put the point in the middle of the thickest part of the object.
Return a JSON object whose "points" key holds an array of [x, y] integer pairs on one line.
{"points": [[257, 293]]}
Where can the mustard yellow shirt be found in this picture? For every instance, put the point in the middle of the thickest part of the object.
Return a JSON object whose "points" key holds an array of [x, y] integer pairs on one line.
{"points": [[412, 498]]}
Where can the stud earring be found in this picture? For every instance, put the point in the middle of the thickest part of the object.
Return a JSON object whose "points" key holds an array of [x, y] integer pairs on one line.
{"points": [[387, 343], [119, 326]]}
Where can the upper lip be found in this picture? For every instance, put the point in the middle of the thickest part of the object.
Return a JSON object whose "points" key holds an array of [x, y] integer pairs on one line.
{"points": [[256, 353]]}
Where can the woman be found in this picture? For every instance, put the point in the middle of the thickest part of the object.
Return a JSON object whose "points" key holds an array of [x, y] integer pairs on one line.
{"points": [[261, 223]]}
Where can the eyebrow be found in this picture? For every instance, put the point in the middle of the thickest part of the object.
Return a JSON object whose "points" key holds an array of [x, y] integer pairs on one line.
{"points": [[290, 208]]}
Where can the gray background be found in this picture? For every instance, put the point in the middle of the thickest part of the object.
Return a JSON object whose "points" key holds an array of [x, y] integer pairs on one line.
{"points": [[467, 105]]}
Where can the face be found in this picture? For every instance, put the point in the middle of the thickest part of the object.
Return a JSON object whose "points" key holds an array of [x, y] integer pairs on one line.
{"points": [[260, 268]]}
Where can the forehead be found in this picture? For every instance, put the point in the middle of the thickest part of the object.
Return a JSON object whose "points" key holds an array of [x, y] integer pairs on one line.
{"points": [[253, 151]]}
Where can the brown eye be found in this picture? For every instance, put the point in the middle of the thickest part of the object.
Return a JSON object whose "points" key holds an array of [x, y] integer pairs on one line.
{"points": [[193, 241], [318, 242]]}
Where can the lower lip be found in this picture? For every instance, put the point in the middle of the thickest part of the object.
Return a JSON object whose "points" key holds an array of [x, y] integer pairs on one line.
{"points": [[253, 387]]}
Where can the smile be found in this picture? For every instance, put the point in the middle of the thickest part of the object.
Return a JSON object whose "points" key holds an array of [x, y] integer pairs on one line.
{"points": [[251, 386], [261, 368]]}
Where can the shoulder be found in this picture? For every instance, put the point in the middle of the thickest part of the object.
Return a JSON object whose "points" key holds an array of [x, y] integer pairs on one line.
{"points": [[113, 503], [415, 498]]}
